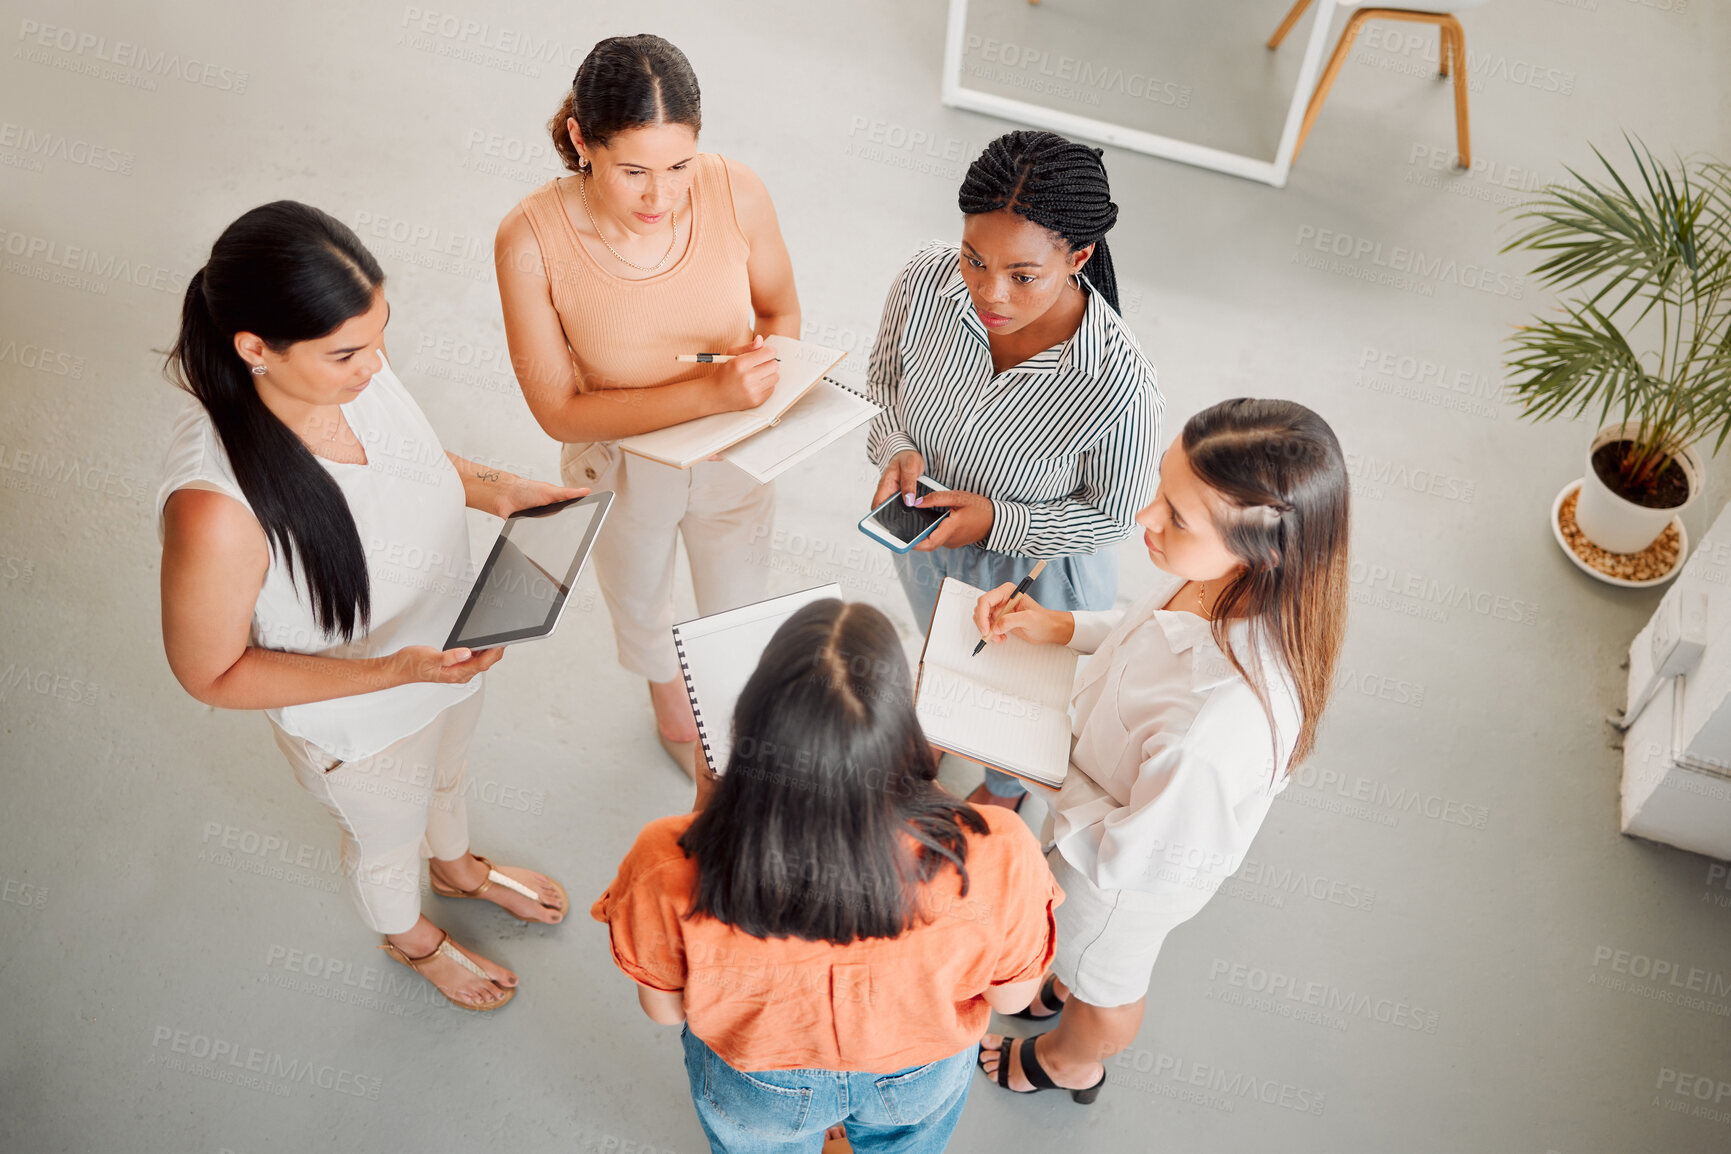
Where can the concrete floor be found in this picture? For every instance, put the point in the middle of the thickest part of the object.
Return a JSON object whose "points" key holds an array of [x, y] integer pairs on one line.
{"points": [[1445, 877]]}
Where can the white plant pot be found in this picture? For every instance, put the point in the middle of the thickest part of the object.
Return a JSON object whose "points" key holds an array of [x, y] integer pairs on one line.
{"points": [[1617, 525]]}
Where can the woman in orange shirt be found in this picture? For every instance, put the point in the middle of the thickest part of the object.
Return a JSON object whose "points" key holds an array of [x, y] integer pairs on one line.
{"points": [[833, 928]]}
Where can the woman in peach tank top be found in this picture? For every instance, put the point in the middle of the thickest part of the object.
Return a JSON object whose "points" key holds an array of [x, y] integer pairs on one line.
{"points": [[651, 250]]}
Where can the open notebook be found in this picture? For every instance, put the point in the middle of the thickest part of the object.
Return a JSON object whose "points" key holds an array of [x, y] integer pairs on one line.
{"points": [[1007, 708], [718, 654], [823, 416], [685, 444]]}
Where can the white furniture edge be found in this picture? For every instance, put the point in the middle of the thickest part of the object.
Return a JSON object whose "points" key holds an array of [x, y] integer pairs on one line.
{"points": [[1274, 172]]}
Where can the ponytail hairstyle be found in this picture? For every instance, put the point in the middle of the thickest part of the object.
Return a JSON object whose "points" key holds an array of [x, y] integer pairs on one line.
{"points": [[1280, 471], [286, 272], [626, 82], [1056, 183], [829, 818]]}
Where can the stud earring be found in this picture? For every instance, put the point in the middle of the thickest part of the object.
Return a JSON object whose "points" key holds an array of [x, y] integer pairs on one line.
{"points": [[258, 370]]}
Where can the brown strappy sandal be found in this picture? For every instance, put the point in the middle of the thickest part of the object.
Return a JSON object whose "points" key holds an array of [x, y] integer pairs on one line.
{"points": [[494, 877], [447, 948]]}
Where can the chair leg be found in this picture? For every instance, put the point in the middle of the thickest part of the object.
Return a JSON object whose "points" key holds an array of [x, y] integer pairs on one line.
{"points": [[1286, 24], [1347, 36], [1462, 138]]}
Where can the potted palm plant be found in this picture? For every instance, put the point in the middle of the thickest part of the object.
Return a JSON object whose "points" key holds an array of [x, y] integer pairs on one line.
{"points": [[1644, 335]]}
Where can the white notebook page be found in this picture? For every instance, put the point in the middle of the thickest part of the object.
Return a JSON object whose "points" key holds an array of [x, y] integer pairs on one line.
{"points": [[824, 415], [720, 653], [685, 444], [1008, 707]]}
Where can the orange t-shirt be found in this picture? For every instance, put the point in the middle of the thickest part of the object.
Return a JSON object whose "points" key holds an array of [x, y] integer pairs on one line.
{"points": [[874, 1006]]}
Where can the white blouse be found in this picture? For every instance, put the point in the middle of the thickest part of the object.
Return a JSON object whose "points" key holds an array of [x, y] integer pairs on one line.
{"points": [[407, 502], [1171, 766]]}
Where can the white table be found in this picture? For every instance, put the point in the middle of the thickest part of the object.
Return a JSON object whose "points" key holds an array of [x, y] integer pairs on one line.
{"points": [[1273, 172]]}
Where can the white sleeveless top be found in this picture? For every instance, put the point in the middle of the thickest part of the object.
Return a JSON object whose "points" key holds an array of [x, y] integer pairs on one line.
{"points": [[407, 502]]}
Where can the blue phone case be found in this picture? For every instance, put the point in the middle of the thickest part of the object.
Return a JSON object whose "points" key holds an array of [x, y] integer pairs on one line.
{"points": [[905, 546]]}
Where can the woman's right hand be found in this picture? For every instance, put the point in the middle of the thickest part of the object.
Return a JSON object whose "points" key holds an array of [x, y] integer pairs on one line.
{"points": [[749, 378], [417, 663], [902, 474], [1027, 619]]}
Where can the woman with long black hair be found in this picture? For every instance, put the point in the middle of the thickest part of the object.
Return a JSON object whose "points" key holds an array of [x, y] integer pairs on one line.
{"points": [[314, 556], [1006, 374], [833, 928], [1189, 717]]}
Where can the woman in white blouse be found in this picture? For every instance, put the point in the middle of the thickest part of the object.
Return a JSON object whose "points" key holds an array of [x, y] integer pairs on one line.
{"points": [[1193, 709]]}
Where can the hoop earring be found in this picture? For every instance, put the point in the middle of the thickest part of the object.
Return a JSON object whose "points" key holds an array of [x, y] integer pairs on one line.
{"points": [[258, 370], [1076, 281]]}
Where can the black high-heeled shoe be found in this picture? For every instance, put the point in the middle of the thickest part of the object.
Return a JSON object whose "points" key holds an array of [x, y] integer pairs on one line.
{"points": [[1034, 1072], [1047, 996]]}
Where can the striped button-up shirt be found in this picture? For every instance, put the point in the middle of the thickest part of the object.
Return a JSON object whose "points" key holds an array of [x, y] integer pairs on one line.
{"points": [[1065, 444]]}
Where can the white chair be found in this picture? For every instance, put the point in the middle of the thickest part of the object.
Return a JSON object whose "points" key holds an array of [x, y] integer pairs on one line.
{"points": [[1453, 46]]}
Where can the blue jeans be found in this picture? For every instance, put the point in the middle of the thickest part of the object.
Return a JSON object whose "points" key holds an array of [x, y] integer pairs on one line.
{"points": [[911, 1111], [1089, 581]]}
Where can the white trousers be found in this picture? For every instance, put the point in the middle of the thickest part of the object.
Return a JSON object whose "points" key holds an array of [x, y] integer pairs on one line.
{"points": [[719, 510], [394, 808]]}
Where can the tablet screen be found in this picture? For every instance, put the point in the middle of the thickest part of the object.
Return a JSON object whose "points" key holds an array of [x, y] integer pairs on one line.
{"points": [[522, 588]]}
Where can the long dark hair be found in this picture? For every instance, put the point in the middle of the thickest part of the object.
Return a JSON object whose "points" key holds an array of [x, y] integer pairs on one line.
{"points": [[626, 82], [806, 835], [1280, 468], [286, 272], [1056, 183]]}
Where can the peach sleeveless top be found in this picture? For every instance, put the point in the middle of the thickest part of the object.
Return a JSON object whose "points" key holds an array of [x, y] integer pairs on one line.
{"points": [[624, 333]]}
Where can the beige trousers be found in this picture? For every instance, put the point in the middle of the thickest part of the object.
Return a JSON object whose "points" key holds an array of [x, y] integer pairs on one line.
{"points": [[719, 510], [394, 808]]}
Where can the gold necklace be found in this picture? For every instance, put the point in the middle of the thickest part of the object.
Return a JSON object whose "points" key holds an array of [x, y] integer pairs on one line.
{"points": [[583, 191]]}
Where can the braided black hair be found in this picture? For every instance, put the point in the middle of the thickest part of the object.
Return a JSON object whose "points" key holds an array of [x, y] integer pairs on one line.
{"points": [[1056, 183]]}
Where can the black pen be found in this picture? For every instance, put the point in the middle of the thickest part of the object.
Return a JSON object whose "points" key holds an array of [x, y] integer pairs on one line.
{"points": [[1026, 583]]}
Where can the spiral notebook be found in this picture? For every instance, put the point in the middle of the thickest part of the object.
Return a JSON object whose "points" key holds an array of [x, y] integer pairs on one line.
{"points": [[1007, 708], [802, 364], [717, 655]]}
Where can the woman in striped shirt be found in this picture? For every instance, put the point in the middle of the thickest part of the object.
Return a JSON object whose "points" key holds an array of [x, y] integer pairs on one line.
{"points": [[1006, 374]]}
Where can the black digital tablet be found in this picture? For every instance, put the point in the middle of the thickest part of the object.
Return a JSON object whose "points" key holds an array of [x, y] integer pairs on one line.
{"points": [[521, 591]]}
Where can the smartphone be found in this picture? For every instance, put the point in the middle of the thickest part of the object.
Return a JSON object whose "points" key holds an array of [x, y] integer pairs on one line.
{"points": [[901, 526]]}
